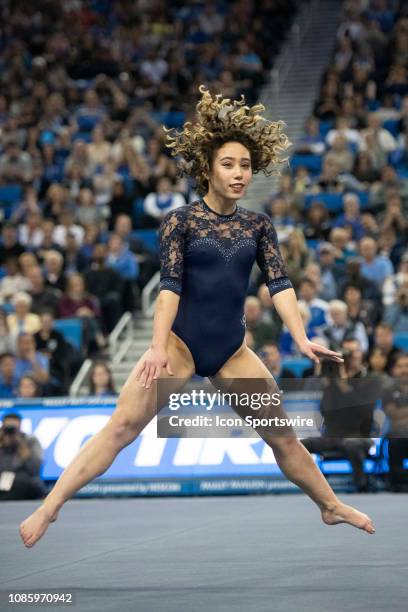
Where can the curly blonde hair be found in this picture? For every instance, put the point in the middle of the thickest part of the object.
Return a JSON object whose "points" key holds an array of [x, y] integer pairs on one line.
{"points": [[221, 120]]}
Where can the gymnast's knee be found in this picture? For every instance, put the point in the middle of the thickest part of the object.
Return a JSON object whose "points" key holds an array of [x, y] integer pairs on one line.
{"points": [[284, 444], [122, 430]]}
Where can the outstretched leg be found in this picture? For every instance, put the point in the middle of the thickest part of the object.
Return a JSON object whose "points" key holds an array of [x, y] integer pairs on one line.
{"points": [[292, 457], [135, 408]]}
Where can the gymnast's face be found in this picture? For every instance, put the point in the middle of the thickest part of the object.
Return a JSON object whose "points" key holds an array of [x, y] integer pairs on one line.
{"points": [[231, 171]]}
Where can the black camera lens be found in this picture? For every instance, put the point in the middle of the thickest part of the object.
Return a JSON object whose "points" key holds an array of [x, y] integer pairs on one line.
{"points": [[10, 429]]}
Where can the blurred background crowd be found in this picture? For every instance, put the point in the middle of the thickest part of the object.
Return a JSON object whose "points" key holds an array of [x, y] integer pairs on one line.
{"points": [[85, 178]]}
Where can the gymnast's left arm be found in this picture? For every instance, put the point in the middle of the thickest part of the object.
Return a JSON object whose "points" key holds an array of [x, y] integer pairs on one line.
{"points": [[270, 261], [286, 304]]}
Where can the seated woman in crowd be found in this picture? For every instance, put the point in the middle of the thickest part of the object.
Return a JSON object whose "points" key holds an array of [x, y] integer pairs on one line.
{"points": [[101, 380], [76, 302]]}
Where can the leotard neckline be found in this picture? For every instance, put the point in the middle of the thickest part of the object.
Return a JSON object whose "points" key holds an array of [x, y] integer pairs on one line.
{"points": [[217, 213]]}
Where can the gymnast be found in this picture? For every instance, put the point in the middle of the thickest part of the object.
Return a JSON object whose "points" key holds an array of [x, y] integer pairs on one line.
{"points": [[207, 250]]}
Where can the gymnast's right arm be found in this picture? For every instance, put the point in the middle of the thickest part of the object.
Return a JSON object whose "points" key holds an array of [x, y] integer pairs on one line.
{"points": [[171, 249]]}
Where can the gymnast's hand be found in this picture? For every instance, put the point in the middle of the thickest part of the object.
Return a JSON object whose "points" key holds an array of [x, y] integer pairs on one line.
{"points": [[151, 364], [315, 352]]}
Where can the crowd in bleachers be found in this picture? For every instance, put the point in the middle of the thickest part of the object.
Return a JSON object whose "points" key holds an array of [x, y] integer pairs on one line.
{"points": [[85, 177], [341, 210]]}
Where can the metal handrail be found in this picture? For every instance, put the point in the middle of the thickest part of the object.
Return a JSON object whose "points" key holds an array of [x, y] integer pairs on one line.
{"points": [[125, 323], [149, 295], [117, 349], [80, 378], [291, 49]]}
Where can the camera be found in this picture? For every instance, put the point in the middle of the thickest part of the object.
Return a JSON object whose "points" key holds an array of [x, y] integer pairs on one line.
{"points": [[10, 429]]}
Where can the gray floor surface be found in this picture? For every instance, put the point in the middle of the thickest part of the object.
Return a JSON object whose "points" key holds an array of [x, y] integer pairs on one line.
{"points": [[224, 554]]}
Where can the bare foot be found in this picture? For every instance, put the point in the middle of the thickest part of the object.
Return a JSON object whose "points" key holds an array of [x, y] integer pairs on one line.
{"points": [[341, 513], [34, 527]]}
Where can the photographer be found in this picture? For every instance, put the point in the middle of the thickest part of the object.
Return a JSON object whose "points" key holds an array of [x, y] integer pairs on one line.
{"points": [[396, 314], [395, 403], [20, 462], [347, 408]]}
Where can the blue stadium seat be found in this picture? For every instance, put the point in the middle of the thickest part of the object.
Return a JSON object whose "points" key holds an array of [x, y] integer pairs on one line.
{"points": [[297, 365], [312, 162], [392, 126], [401, 340], [149, 237], [137, 211], [71, 329], [85, 136], [171, 119], [325, 125], [333, 201], [86, 123], [10, 194]]}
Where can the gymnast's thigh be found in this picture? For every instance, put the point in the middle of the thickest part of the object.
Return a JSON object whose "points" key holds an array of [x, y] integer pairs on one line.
{"points": [[137, 405], [245, 373]]}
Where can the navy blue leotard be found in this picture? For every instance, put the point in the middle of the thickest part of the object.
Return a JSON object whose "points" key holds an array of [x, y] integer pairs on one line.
{"points": [[206, 258]]}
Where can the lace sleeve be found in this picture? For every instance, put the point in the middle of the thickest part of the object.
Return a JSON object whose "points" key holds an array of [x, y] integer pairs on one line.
{"points": [[171, 250], [270, 260]]}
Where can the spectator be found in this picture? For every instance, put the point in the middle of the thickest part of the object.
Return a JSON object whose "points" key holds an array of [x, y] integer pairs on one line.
{"points": [[269, 314], [287, 345], [22, 320], [107, 285], [359, 310], [384, 340], [396, 315], [298, 255], [31, 361], [340, 328], [340, 152], [76, 302], [374, 267], [308, 293], [330, 272], [270, 355], [47, 243], [318, 223], [146, 258], [62, 357], [377, 141], [31, 233], [87, 212], [20, 459], [74, 260], [15, 165], [278, 210], [9, 246], [120, 258], [101, 380], [53, 270], [364, 170], [351, 217], [395, 402], [42, 297], [312, 142], [396, 281], [28, 388], [8, 377], [159, 203], [353, 276], [6, 341], [260, 330], [347, 408], [377, 364], [13, 282], [99, 148], [67, 226]]}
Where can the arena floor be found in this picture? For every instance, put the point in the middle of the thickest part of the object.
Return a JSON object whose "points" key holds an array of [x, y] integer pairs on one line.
{"points": [[224, 554]]}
